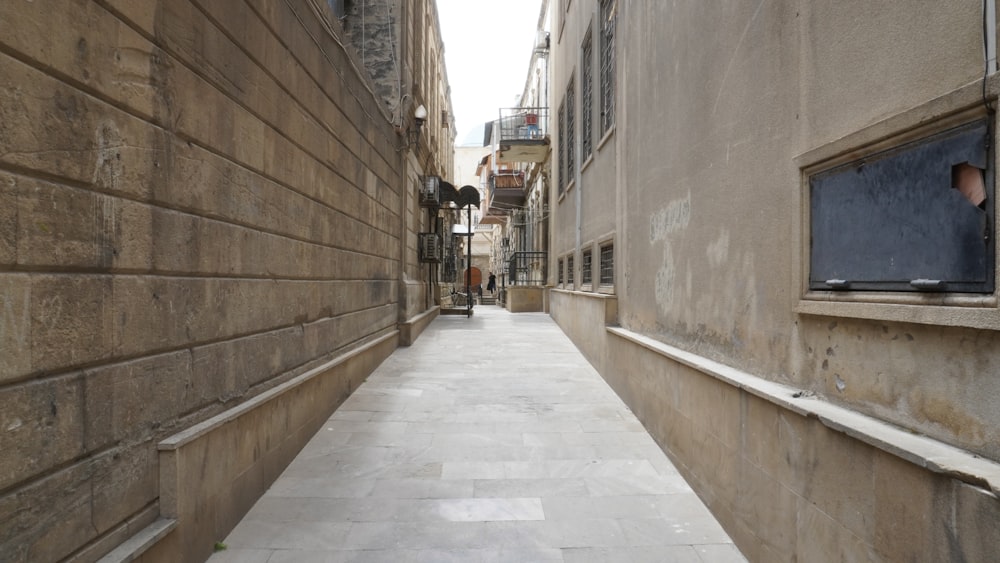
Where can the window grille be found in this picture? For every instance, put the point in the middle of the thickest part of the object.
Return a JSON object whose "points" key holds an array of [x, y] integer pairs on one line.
{"points": [[608, 264], [570, 128], [587, 268], [586, 96], [559, 281], [569, 271], [561, 148], [608, 17]]}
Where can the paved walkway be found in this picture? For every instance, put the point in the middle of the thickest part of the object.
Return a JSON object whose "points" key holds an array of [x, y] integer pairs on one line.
{"points": [[490, 440]]}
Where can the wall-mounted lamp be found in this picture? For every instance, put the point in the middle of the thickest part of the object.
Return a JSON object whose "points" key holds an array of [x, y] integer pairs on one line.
{"points": [[419, 117]]}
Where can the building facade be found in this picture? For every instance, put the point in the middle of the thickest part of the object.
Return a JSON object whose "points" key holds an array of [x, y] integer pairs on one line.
{"points": [[516, 174], [208, 239], [773, 235]]}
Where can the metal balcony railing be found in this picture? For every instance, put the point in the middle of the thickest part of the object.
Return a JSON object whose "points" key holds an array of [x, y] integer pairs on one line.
{"points": [[524, 124], [527, 268]]}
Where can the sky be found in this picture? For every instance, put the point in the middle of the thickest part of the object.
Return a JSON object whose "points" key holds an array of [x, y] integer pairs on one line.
{"points": [[487, 48]]}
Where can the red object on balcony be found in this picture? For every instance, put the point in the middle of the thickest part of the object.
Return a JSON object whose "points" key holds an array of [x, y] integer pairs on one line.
{"points": [[531, 119]]}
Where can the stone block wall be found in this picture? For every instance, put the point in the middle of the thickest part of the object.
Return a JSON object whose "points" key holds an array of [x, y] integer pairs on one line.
{"points": [[199, 200], [789, 475]]}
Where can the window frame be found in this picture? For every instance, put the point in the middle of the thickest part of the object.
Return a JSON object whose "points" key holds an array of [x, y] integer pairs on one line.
{"points": [[609, 15], [885, 183], [587, 95], [587, 268], [561, 147], [570, 101], [606, 266], [937, 309]]}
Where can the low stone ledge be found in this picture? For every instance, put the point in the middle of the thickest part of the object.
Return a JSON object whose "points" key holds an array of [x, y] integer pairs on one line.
{"points": [[196, 431], [922, 451], [136, 545], [212, 473], [412, 328], [526, 298]]}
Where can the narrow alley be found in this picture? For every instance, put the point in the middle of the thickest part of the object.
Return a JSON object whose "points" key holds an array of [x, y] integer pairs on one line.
{"points": [[490, 439]]}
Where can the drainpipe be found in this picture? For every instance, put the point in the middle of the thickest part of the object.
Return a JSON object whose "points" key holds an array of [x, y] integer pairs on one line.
{"points": [[990, 7]]}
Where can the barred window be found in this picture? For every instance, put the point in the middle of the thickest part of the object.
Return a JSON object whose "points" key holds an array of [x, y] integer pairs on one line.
{"points": [[608, 16], [587, 267], [586, 96], [570, 127], [559, 270], [569, 270], [608, 264], [561, 148]]}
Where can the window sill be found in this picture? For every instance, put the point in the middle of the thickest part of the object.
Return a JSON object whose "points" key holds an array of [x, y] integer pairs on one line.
{"points": [[943, 310], [606, 289], [570, 186], [607, 136], [587, 162]]}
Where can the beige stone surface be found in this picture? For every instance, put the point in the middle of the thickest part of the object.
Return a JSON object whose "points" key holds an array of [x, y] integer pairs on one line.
{"points": [[210, 476], [200, 203], [704, 185], [71, 320], [909, 505], [795, 487], [525, 299], [41, 429], [15, 325], [976, 512], [524, 455]]}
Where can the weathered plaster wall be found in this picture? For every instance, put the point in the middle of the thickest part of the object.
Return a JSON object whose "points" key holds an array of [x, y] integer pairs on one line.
{"points": [[721, 107], [200, 200], [706, 169], [713, 193], [591, 189]]}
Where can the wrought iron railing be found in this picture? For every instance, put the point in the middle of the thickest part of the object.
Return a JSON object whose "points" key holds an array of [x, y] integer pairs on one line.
{"points": [[527, 268], [524, 124]]}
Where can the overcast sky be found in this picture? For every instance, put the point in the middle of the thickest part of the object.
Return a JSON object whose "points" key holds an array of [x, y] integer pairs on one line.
{"points": [[487, 48]]}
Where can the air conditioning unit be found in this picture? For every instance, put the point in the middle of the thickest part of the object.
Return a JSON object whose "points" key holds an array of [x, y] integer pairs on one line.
{"points": [[430, 191], [430, 247]]}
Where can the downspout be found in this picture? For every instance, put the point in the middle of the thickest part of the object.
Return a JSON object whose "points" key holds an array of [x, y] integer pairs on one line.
{"points": [[578, 173], [990, 23], [404, 166]]}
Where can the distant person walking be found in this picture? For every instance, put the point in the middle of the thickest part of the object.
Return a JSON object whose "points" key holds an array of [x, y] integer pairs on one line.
{"points": [[491, 285]]}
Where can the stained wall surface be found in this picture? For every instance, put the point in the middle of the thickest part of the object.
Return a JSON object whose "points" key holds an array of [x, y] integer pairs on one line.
{"points": [[199, 200], [723, 112]]}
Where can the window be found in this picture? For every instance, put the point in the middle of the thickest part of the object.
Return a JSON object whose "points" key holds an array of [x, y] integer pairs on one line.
{"points": [[608, 16], [339, 7], [608, 264], [570, 128], [569, 271], [586, 97], [561, 148], [916, 217], [587, 268], [559, 272]]}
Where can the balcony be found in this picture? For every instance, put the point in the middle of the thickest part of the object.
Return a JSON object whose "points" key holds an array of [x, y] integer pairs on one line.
{"points": [[523, 134], [506, 191], [527, 268]]}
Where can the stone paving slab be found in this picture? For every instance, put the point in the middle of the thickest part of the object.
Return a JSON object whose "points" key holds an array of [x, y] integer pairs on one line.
{"points": [[491, 439]]}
